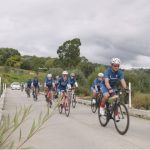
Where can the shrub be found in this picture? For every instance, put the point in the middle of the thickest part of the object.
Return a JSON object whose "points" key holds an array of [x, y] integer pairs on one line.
{"points": [[141, 101]]}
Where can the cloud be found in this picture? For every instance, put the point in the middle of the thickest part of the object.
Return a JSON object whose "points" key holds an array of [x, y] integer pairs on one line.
{"points": [[114, 28]]}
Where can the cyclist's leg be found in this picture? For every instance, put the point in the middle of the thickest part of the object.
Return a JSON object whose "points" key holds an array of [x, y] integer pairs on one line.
{"points": [[104, 99]]}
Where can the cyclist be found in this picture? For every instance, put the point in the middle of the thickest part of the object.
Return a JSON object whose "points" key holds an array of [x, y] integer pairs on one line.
{"points": [[73, 81], [111, 76], [35, 86], [96, 84], [63, 85], [28, 87], [49, 85], [56, 80], [22, 86]]}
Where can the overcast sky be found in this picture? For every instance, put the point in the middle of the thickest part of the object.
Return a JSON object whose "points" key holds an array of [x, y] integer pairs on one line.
{"points": [[106, 28]]}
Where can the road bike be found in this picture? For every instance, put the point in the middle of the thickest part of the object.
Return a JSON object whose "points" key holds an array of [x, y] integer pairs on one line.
{"points": [[35, 93], [115, 107], [28, 91], [49, 97], [66, 103]]}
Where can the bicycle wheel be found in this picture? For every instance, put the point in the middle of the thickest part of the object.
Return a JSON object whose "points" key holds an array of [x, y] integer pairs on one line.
{"points": [[123, 124], [93, 105], [74, 101], [67, 108], [60, 108], [103, 119]]}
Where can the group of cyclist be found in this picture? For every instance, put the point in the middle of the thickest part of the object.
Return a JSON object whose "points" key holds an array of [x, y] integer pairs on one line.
{"points": [[106, 83], [53, 86]]}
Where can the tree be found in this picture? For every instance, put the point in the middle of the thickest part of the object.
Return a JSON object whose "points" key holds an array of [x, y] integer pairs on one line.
{"points": [[69, 53], [6, 53], [49, 63], [14, 61]]}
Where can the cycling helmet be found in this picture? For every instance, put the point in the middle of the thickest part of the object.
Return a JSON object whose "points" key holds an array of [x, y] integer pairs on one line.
{"points": [[115, 61], [57, 77], [100, 75], [49, 75], [65, 72], [72, 74]]}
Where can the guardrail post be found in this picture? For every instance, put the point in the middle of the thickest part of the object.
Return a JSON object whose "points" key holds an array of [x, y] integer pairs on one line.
{"points": [[130, 104], [0, 86]]}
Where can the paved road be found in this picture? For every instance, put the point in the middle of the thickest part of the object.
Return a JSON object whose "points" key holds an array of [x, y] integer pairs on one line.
{"points": [[80, 130]]}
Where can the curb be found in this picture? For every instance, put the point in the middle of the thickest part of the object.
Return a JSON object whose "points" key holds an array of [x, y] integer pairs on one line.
{"points": [[145, 114], [2, 99]]}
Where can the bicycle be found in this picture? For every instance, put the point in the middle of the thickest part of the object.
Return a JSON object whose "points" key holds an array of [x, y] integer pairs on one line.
{"points": [[28, 92], [65, 105], [49, 97], [113, 107], [95, 101], [35, 93]]}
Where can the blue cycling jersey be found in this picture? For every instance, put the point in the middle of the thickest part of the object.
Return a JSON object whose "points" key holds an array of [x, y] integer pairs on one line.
{"points": [[49, 83], [29, 82], [35, 82], [72, 81], [62, 84], [113, 77], [97, 83]]}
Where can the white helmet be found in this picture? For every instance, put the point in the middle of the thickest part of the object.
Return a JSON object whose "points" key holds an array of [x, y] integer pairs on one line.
{"points": [[100, 75], [49, 75], [57, 77], [72, 74], [115, 61], [65, 72]]}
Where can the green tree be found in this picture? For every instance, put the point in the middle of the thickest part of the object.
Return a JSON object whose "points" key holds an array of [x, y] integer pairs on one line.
{"points": [[14, 61], [49, 63], [69, 53], [6, 53]]}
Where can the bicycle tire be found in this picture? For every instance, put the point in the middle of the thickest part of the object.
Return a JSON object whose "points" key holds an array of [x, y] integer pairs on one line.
{"points": [[74, 101], [120, 106], [93, 106], [100, 117], [60, 108], [67, 108]]}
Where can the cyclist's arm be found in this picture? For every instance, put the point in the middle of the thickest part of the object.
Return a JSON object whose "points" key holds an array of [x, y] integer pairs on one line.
{"points": [[107, 83], [96, 88], [123, 83], [76, 84]]}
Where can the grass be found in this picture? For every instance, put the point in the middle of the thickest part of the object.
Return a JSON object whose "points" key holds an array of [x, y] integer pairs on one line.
{"points": [[141, 101]]}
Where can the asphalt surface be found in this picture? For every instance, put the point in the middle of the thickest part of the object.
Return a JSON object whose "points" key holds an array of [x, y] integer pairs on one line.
{"points": [[80, 130]]}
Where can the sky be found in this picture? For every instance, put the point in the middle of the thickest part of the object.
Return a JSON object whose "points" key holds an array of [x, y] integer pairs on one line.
{"points": [[106, 28]]}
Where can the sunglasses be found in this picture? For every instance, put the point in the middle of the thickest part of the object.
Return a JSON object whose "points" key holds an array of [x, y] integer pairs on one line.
{"points": [[115, 65]]}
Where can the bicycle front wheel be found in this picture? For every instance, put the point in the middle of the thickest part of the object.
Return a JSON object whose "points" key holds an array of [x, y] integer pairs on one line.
{"points": [[122, 122], [67, 109], [103, 119], [74, 101], [93, 105], [60, 108]]}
